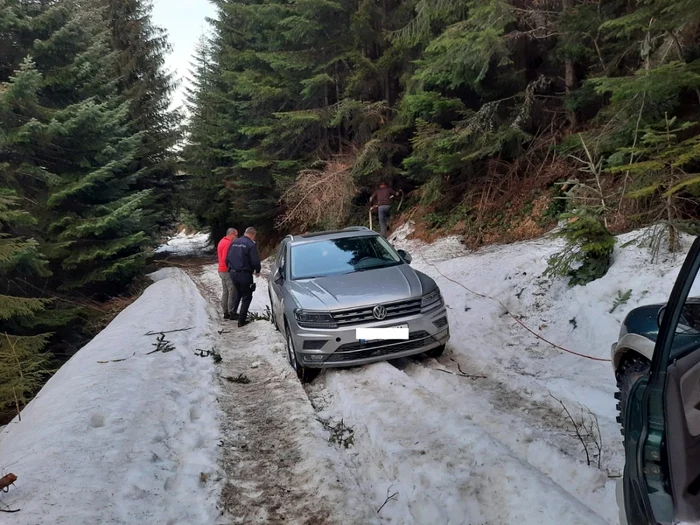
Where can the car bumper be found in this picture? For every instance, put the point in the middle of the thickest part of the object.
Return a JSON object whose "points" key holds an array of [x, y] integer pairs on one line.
{"points": [[341, 348]]}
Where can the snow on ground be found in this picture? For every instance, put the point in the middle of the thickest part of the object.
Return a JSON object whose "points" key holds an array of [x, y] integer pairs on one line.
{"points": [[443, 467], [280, 466], [494, 447], [186, 244], [477, 436], [128, 442], [521, 372]]}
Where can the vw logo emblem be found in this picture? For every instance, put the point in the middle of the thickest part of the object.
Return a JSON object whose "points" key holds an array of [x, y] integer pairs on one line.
{"points": [[379, 313]]}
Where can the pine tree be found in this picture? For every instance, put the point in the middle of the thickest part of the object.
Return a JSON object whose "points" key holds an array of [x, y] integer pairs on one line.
{"points": [[70, 151], [142, 79], [208, 197], [453, 98]]}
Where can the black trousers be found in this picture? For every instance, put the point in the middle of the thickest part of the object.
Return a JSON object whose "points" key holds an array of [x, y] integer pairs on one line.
{"points": [[243, 293]]}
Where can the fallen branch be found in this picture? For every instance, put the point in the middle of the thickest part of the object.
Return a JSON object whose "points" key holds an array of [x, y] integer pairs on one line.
{"points": [[117, 360], [241, 379], [213, 353], [162, 345], [388, 498], [460, 374], [159, 332], [587, 432]]}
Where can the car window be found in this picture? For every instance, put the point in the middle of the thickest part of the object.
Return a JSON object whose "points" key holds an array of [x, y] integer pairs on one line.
{"points": [[687, 336], [341, 256], [278, 255], [281, 263]]}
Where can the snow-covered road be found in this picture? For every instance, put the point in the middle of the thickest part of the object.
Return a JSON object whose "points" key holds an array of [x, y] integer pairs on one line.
{"points": [[408, 442], [480, 436], [118, 436], [477, 437]]}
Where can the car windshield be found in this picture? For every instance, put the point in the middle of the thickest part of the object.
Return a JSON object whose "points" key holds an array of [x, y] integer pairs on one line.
{"points": [[341, 256]]}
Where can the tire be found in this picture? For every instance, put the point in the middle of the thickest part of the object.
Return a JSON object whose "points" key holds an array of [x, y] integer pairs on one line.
{"points": [[629, 372], [436, 352], [305, 375]]}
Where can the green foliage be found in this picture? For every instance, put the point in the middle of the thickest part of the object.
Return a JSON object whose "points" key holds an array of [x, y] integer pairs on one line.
{"points": [[23, 368], [621, 299], [86, 170], [588, 252], [22, 364], [441, 94]]}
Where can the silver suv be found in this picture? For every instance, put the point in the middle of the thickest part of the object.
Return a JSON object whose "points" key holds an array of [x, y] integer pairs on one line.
{"points": [[327, 289]]}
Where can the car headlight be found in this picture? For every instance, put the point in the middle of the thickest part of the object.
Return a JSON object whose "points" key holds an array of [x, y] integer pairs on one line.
{"points": [[431, 299], [315, 319]]}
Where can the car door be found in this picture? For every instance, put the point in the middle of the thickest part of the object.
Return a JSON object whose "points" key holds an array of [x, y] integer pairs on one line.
{"points": [[661, 481], [277, 284]]}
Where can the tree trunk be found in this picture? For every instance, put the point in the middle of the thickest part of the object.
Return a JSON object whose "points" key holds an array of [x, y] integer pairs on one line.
{"points": [[569, 69]]}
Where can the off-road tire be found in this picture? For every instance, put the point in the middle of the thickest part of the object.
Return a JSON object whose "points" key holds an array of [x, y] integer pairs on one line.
{"points": [[631, 370], [436, 352], [305, 375]]}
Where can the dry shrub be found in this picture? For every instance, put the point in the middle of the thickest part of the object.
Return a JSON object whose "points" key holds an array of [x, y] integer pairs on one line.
{"points": [[319, 197]]}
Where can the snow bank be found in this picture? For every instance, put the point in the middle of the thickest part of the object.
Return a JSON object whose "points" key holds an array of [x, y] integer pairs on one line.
{"points": [[522, 372], [184, 244], [581, 318], [128, 442], [443, 468]]}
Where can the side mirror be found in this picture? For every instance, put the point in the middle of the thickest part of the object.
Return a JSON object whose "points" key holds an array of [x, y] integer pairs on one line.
{"points": [[405, 256], [277, 277]]}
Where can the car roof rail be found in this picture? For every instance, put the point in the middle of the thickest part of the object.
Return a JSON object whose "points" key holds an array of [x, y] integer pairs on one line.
{"points": [[355, 228]]}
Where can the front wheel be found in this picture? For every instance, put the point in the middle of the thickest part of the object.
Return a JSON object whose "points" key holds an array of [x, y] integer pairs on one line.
{"points": [[628, 374], [436, 352], [306, 375]]}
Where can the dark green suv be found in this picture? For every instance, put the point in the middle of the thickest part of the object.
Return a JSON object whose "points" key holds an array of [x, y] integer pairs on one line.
{"points": [[657, 365]]}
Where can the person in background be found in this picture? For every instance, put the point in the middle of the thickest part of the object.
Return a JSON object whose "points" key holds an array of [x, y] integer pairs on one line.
{"points": [[242, 262], [226, 282], [381, 199]]}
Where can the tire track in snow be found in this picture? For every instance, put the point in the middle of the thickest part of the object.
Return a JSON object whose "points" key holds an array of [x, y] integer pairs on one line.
{"points": [[445, 468], [440, 475], [278, 463], [544, 437]]}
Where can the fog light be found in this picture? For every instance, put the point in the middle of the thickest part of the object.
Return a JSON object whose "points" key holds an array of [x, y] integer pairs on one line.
{"points": [[314, 358], [440, 322]]}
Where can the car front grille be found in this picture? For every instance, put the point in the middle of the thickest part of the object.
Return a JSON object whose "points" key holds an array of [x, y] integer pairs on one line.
{"points": [[353, 351], [365, 315]]}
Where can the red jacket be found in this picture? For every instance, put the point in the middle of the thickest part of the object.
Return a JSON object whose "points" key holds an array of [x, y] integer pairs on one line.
{"points": [[221, 251]]}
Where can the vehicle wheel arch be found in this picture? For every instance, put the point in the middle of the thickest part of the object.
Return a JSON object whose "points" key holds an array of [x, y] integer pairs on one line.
{"points": [[631, 345]]}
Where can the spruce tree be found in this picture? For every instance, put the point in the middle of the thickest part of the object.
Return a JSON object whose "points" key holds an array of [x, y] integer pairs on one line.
{"points": [[143, 81], [444, 96], [71, 152]]}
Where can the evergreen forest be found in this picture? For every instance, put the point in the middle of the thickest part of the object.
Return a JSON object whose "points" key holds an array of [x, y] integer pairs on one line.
{"points": [[497, 119]]}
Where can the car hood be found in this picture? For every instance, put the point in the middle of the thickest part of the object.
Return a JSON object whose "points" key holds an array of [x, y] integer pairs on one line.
{"points": [[358, 289], [643, 321]]}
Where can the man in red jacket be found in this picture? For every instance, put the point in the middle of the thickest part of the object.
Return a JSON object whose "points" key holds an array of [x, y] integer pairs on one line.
{"points": [[221, 251]]}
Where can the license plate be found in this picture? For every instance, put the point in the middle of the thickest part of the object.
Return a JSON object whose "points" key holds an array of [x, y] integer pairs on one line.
{"points": [[372, 335]]}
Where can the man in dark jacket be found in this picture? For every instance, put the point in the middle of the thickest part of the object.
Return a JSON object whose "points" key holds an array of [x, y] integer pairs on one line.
{"points": [[382, 199], [242, 261]]}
